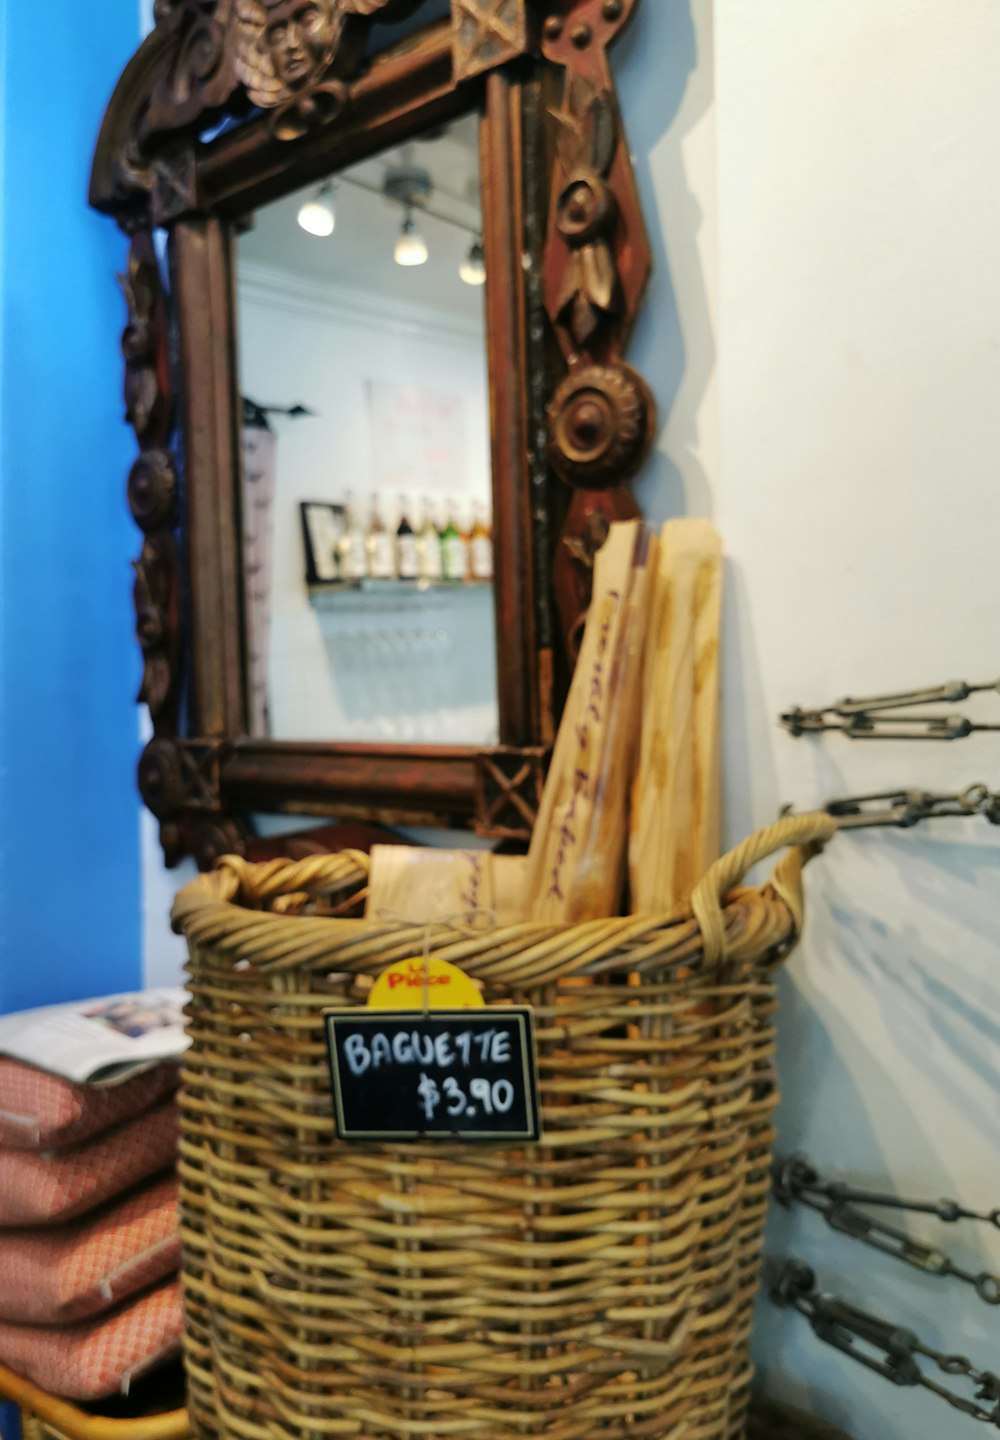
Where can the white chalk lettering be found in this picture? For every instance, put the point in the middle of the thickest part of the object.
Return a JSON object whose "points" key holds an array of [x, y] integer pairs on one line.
{"points": [[356, 1054], [484, 1041], [413, 1047], [423, 1049], [443, 1053]]}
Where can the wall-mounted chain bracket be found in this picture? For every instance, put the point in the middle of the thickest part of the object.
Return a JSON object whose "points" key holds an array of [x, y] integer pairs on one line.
{"points": [[902, 809], [888, 1349], [796, 1181], [882, 717]]}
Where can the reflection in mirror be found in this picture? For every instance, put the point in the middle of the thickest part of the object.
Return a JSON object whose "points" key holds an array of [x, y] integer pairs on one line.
{"points": [[367, 533]]}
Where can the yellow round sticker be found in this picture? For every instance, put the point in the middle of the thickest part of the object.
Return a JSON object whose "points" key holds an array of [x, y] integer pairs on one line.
{"points": [[424, 984]]}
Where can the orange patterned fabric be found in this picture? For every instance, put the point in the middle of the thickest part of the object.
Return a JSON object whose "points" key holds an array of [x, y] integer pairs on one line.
{"points": [[42, 1111], [51, 1277], [98, 1357], [52, 1186]]}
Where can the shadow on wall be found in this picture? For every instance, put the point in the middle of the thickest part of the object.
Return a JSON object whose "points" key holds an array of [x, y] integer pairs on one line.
{"points": [[750, 780], [878, 1017], [925, 991], [938, 1010], [674, 342], [780, 1343], [832, 1120]]}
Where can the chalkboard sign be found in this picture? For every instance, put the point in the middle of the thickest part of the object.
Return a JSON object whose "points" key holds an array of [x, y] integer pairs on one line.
{"points": [[444, 1075]]}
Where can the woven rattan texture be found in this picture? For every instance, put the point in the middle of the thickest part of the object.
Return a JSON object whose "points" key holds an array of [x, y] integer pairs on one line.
{"points": [[599, 1284]]}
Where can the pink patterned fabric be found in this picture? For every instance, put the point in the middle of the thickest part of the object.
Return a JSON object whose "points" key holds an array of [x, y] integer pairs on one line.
{"points": [[52, 1186], [98, 1357], [54, 1276], [42, 1111]]}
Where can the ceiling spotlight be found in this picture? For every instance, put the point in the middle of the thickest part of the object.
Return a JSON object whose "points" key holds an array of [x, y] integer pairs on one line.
{"points": [[411, 247], [473, 267], [317, 215]]}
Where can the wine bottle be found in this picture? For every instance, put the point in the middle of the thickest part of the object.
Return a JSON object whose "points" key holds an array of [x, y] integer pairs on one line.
{"points": [[381, 564], [407, 559], [454, 549], [481, 546], [429, 546], [353, 555]]}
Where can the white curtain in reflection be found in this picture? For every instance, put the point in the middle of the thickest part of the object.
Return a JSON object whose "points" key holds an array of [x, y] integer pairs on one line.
{"points": [[259, 467]]}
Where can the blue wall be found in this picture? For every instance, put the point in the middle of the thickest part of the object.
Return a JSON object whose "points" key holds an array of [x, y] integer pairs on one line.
{"points": [[69, 826]]}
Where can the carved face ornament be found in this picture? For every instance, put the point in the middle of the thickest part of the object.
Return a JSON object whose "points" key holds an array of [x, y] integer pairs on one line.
{"points": [[298, 37], [285, 45]]}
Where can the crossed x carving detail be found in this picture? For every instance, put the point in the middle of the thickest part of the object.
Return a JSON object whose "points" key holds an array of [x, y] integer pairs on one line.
{"points": [[489, 16]]}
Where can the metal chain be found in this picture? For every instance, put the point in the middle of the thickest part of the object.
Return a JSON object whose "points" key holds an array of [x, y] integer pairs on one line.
{"points": [[890, 1350], [904, 808], [797, 1181], [877, 717]]}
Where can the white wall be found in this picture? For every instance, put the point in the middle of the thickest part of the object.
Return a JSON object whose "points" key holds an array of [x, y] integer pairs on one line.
{"points": [[855, 314], [417, 669]]}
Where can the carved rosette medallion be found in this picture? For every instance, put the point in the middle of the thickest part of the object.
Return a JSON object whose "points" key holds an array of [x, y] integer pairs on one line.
{"points": [[599, 425], [152, 491], [161, 777]]}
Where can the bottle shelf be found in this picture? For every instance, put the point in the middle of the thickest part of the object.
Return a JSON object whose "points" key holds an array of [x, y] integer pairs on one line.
{"points": [[326, 592]]}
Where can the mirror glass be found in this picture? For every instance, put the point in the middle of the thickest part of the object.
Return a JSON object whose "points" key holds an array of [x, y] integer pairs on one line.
{"points": [[366, 493]]}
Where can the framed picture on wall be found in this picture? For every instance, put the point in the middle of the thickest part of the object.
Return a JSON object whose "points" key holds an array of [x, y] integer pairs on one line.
{"points": [[322, 529]]}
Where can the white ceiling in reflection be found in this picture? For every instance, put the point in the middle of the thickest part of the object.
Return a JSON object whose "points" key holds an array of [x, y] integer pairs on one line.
{"points": [[359, 253]]}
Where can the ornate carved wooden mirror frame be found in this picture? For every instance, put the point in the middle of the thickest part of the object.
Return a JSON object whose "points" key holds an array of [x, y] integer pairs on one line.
{"points": [[219, 113]]}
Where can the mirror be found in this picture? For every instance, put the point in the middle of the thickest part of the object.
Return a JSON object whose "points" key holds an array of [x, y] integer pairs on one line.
{"points": [[279, 383], [366, 493]]}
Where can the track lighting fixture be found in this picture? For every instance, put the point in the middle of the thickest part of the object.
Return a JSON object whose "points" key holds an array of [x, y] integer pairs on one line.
{"points": [[411, 247], [317, 216], [473, 267]]}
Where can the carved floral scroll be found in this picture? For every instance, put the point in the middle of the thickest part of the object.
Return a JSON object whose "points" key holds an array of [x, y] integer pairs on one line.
{"points": [[178, 780], [596, 266]]}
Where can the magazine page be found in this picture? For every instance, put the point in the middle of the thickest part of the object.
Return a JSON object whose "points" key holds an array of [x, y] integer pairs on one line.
{"points": [[99, 1041]]}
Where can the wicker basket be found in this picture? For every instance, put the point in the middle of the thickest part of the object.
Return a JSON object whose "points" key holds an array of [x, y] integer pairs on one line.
{"points": [[599, 1284]]}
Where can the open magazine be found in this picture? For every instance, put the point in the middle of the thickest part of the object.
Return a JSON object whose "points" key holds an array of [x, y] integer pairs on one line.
{"points": [[102, 1041]]}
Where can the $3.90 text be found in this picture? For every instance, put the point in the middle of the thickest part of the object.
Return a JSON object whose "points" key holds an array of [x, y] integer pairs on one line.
{"points": [[484, 1096]]}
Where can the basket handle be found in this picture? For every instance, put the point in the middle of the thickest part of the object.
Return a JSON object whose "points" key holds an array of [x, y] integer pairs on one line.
{"points": [[803, 832], [315, 875]]}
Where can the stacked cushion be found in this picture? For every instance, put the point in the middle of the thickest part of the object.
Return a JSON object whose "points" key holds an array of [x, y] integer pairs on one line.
{"points": [[44, 1187], [52, 1277], [98, 1357], [39, 1111], [89, 1234]]}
